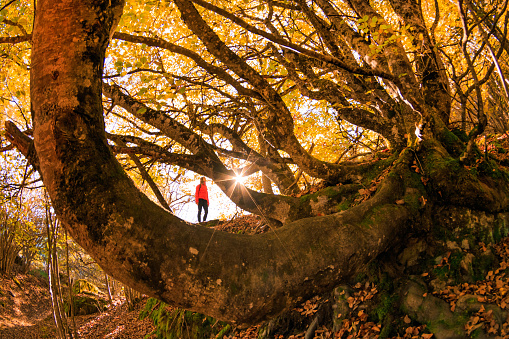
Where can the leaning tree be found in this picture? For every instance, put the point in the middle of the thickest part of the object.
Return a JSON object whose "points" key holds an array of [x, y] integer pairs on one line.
{"points": [[382, 101]]}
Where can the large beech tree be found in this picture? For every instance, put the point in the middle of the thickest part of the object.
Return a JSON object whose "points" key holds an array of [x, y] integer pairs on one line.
{"points": [[223, 87]]}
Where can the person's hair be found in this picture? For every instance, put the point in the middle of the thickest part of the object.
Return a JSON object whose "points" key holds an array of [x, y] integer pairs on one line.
{"points": [[202, 180]]}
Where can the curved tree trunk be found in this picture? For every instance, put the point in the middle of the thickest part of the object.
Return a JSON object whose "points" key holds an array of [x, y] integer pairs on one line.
{"points": [[233, 277], [239, 278]]}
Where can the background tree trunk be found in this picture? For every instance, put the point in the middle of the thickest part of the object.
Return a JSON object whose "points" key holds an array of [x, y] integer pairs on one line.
{"points": [[59, 315]]}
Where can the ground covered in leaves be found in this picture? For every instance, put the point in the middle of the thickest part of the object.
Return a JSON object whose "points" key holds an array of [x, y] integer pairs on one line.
{"points": [[25, 313], [367, 309], [370, 308]]}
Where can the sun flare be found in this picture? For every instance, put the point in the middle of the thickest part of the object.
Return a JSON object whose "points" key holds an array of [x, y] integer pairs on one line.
{"points": [[239, 179]]}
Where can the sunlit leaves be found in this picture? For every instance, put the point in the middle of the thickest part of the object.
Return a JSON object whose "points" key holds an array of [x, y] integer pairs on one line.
{"points": [[15, 20]]}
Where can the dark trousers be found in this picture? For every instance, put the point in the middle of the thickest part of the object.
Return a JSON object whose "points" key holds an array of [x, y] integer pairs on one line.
{"points": [[202, 203]]}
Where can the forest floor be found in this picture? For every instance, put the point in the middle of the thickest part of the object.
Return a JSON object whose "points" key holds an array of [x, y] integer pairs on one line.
{"points": [[25, 308], [25, 313]]}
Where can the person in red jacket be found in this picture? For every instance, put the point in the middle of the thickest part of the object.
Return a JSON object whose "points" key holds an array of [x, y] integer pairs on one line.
{"points": [[202, 198]]}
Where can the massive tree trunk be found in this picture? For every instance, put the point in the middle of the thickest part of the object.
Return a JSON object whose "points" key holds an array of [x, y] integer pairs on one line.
{"points": [[239, 278]]}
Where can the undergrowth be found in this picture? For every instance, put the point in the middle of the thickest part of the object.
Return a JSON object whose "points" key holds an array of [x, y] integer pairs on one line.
{"points": [[176, 323]]}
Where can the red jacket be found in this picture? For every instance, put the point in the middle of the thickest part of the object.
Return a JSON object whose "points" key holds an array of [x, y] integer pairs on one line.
{"points": [[201, 193]]}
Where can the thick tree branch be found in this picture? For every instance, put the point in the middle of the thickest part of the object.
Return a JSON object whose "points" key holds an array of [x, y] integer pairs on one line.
{"points": [[335, 95], [397, 59], [15, 39], [146, 176], [482, 121], [22, 142], [429, 66]]}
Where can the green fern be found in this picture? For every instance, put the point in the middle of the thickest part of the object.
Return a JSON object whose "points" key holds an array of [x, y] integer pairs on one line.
{"points": [[176, 323]]}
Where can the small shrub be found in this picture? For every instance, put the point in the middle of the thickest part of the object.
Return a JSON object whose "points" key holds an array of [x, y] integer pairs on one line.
{"points": [[84, 286]]}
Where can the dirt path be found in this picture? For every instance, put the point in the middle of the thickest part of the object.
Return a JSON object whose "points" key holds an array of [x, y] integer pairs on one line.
{"points": [[24, 304], [25, 313]]}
